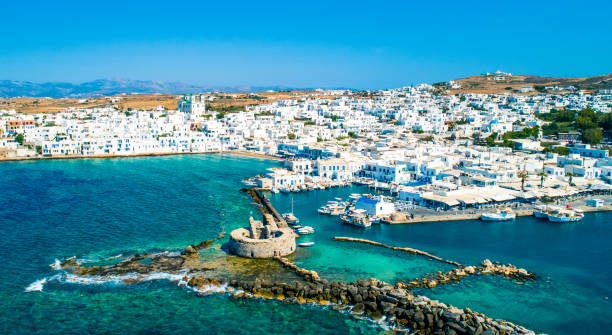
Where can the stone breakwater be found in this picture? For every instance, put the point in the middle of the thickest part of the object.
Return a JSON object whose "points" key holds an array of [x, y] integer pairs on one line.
{"points": [[486, 267], [432, 280], [373, 299], [409, 250]]}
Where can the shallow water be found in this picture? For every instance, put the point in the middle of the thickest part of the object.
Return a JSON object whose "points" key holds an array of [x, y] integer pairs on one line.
{"points": [[99, 208]]}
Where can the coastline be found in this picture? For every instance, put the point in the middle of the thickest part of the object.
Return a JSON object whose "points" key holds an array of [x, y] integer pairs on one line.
{"points": [[151, 154], [476, 216]]}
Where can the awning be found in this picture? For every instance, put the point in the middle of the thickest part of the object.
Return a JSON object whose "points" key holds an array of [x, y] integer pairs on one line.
{"points": [[503, 197], [482, 200]]}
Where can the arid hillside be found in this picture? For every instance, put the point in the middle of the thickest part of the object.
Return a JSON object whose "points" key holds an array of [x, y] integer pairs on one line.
{"points": [[222, 101], [500, 84]]}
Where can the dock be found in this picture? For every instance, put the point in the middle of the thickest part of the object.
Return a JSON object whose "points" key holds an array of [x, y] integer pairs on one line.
{"points": [[265, 206]]}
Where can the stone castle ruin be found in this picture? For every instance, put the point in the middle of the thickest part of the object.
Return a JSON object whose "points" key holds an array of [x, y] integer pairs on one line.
{"points": [[266, 239]]}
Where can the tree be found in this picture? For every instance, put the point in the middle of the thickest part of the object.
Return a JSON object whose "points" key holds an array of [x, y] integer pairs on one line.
{"points": [[592, 136], [490, 140], [291, 136], [605, 121], [352, 134], [542, 175], [565, 116], [523, 175], [585, 122], [19, 138]]}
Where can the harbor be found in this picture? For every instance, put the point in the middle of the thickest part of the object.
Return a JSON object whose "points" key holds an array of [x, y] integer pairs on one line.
{"points": [[464, 242]]}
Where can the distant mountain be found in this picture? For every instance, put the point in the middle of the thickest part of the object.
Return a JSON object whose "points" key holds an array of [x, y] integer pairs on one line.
{"points": [[106, 87]]}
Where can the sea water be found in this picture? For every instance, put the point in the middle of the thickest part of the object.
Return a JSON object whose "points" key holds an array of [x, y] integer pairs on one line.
{"points": [[101, 209]]}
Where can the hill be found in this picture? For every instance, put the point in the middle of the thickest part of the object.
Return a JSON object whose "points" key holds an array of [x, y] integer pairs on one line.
{"points": [[500, 84]]}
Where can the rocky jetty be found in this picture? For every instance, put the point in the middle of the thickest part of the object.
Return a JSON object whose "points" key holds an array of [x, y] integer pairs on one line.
{"points": [[371, 299], [486, 267]]}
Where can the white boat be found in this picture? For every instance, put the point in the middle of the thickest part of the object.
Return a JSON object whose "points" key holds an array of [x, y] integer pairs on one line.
{"points": [[305, 230], [355, 196], [362, 222], [540, 211], [289, 217], [565, 215], [306, 244], [323, 210], [274, 190], [500, 215]]}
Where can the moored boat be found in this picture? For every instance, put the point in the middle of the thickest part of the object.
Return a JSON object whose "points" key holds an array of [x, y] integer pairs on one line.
{"points": [[289, 217], [540, 211], [306, 244], [503, 214], [305, 230], [566, 215], [362, 222]]}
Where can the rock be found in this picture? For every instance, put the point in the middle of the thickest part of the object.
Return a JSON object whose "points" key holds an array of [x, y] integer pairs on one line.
{"points": [[370, 306], [451, 317], [456, 327], [358, 308], [190, 250], [376, 314], [419, 316], [487, 263], [469, 270], [386, 307]]}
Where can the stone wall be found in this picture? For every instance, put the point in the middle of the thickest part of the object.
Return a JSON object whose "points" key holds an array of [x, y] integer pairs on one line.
{"points": [[282, 244]]}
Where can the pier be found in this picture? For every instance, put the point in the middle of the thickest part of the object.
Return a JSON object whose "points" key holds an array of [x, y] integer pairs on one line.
{"points": [[265, 207]]}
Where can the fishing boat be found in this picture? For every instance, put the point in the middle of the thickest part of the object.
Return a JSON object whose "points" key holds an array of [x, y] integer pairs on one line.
{"points": [[306, 244], [362, 222], [565, 215], [289, 217], [504, 214], [541, 211], [323, 210]]}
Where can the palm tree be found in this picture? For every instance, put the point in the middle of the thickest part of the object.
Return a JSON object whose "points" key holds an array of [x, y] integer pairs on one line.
{"points": [[542, 175], [523, 175]]}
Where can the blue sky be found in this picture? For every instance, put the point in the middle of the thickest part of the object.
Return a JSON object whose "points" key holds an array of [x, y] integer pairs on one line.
{"points": [[374, 44]]}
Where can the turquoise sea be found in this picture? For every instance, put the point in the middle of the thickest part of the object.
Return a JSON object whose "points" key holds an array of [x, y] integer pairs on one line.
{"points": [[100, 208]]}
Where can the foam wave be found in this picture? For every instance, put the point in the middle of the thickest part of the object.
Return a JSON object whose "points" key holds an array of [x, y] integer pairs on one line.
{"points": [[36, 286], [114, 257], [210, 289], [57, 265], [122, 279]]}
